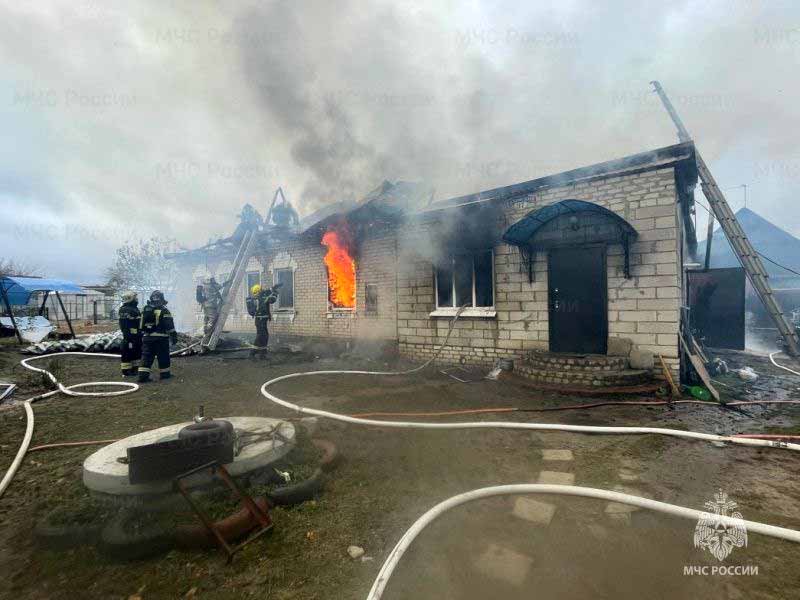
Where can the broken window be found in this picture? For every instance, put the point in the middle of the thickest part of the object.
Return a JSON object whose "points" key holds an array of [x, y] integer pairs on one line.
{"points": [[465, 279], [286, 293], [371, 299]]}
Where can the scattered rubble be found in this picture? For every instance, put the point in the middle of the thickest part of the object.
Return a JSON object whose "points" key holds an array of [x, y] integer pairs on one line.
{"points": [[97, 342]]}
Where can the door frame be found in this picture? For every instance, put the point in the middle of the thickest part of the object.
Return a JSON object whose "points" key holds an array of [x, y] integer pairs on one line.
{"points": [[603, 250]]}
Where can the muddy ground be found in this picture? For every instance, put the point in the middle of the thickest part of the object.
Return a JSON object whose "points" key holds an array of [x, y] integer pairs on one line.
{"points": [[387, 478]]}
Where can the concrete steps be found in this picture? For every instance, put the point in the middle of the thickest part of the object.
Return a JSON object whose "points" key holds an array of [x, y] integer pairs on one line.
{"points": [[576, 362], [589, 371]]}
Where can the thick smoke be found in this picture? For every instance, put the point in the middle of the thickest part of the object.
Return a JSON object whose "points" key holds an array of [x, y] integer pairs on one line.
{"points": [[164, 118]]}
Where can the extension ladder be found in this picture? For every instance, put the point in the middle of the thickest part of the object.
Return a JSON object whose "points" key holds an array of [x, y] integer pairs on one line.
{"points": [[229, 296], [746, 253]]}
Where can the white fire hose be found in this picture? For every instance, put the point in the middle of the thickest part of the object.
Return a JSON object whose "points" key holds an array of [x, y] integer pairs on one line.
{"points": [[772, 359], [69, 390], [397, 553], [405, 541], [395, 556], [708, 437], [562, 490]]}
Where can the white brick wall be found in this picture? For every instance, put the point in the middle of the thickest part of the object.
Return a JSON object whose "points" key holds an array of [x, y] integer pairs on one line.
{"points": [[374, 265], [644, 308]]}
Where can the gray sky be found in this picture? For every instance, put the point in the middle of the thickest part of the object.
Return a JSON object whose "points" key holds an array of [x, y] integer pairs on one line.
{"points": [[123, 120]]}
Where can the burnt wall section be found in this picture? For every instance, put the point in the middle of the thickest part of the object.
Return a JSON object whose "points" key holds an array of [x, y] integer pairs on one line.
{"points": [[644, 308], [311, 316], [397, 263]]}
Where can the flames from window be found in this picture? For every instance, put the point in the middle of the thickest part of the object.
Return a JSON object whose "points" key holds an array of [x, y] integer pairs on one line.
{"points": [[341, 270]]}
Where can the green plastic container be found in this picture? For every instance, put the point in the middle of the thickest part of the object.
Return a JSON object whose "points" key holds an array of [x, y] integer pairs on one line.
{"points": [[700, 393]]}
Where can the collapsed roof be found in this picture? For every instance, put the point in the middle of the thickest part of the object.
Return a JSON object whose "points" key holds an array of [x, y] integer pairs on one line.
{"points": [[391, 202]]}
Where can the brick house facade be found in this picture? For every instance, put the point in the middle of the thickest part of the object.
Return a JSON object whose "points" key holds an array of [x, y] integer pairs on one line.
{"points": [[415, 267]]}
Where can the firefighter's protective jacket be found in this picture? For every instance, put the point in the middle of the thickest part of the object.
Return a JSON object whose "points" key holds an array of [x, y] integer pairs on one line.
{"points": [[209, 296], [264, 300], [212, 297], [156, 322], [129, 321]]}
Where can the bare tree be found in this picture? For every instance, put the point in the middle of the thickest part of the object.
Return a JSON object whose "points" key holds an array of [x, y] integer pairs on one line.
{"points": [[143, 267], [10, 267]]}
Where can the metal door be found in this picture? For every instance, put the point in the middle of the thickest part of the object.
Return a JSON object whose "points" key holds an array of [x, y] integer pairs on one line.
{"points": [[578, 300]]}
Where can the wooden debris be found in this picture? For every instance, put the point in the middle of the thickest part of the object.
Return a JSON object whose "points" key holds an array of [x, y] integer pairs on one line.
{"points": [[668, 374]]}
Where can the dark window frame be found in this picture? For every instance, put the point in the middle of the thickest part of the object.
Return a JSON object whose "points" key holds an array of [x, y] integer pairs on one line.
{"points": [[453, 283], [370, 310], [278, 305]]}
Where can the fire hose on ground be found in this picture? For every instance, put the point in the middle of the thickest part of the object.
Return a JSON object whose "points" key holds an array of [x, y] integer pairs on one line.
{"points": [[405, 541], [69, 390], [381, 581], [772, 360]]}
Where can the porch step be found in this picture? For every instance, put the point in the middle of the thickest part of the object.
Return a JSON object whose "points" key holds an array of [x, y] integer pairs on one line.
{"points": [[589, 379], [576, 362]]}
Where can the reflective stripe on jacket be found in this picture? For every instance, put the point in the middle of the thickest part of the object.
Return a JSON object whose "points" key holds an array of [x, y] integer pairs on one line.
{"points": [[156, 321], [129, 321]]}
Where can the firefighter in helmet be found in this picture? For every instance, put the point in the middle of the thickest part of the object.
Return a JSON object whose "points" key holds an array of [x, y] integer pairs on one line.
{"points": [[158, 330], [209, 296], [258, 306], [129, 317]]}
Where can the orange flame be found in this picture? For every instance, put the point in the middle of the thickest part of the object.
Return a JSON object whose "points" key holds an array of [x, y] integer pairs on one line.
{"points": [[341, 272]]}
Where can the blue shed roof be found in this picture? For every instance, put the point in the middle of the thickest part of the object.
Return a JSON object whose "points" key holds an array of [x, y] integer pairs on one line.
{"points": [[19, 289], [520, 233]]}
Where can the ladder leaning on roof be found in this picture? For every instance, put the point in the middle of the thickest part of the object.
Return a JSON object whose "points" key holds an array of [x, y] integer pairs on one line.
{"points": [[746, 253], [229, 296]]}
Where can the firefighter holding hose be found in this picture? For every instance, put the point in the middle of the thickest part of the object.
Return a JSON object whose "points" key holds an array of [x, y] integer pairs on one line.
{"points": [[158, 330], [129, 317], [258, 306]]}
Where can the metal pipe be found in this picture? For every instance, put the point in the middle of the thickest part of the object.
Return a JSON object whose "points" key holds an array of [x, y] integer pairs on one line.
{"points": [[709, 239], [11, 313], [66, 315]]}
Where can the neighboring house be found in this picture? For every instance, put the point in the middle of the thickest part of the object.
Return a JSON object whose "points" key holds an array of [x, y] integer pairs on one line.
{"points": [[561, 264], [772, 242]]}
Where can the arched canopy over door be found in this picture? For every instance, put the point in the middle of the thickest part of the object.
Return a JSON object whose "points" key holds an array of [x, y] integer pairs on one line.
{"points": [[569, 223]]}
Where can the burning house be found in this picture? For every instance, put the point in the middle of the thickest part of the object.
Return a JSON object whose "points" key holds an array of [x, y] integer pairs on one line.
{"points": [[588, 263]]}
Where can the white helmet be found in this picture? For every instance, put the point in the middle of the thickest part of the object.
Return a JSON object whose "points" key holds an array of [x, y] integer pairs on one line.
{"points": [[129, 296]]}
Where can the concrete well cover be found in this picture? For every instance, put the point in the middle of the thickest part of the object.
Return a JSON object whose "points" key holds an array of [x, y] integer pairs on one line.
{"points": [[102, 472]]}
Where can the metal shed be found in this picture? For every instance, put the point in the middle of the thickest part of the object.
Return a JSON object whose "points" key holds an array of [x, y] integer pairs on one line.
{"points": [[18, 291]]}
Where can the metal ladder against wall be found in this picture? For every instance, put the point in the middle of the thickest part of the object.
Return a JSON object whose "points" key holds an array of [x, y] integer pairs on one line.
{"points": [[745, 252], [239, 268]]}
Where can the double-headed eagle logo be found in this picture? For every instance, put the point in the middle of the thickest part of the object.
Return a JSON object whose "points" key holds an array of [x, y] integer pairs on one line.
{"points": [[722, 530]]}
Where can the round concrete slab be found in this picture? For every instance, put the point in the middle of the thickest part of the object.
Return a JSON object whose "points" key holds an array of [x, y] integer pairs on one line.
{"points": [[102, 472]]}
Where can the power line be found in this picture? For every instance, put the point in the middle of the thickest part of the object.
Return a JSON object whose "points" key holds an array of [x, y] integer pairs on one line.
{"points": [[767, 258], [777, 264]]}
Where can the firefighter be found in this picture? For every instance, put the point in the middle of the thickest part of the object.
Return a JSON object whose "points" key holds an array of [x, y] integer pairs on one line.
{"points": [[258, 306], [158, 330], [210, 298], [129, 317]]}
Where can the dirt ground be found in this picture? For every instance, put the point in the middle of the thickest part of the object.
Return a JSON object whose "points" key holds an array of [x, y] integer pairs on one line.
{"points": [[387, 478]]}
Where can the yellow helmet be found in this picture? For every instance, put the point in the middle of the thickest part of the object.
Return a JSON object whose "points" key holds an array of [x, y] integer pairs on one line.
{"points": [[255, 290]]}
